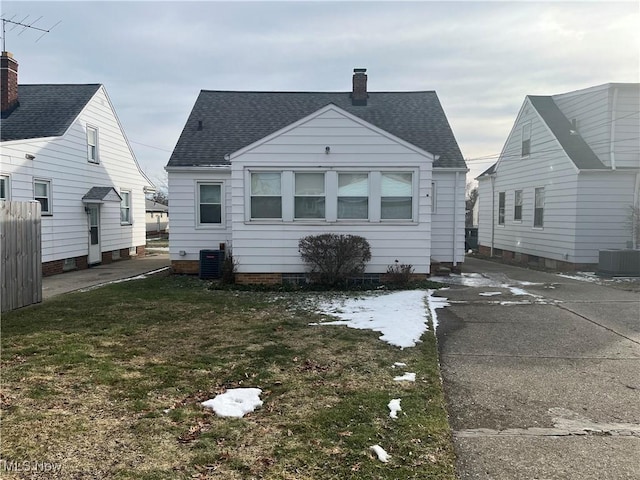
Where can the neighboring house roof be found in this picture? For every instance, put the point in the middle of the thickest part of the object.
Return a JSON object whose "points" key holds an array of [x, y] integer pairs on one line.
{"points": [[223, 122], [45, 110], [572, 143], [151, 206], [488, 171]]}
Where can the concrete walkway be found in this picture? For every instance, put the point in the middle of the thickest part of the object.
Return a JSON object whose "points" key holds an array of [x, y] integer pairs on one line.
{"points": [[542, 375], [100, 274]]}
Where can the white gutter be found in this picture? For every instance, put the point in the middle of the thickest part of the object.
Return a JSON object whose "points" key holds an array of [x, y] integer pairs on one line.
{"points": [[612, 152]]}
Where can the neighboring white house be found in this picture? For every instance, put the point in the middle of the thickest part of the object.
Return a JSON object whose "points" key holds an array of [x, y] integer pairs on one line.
{"points": [[62, 145], [157, 218], [567, 178], [257, 171]]}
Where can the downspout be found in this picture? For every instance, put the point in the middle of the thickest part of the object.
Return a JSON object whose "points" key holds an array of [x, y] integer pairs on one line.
{"points": [[493, 213], [455, 222], [612, 153]]}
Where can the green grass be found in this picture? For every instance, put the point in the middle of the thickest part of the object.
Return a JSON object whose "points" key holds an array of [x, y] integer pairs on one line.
{"points": [[109, 382]]}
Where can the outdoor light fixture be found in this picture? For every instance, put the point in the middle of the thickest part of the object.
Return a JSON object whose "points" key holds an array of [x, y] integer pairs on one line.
{"points": [[28, 156], [327, 150]]}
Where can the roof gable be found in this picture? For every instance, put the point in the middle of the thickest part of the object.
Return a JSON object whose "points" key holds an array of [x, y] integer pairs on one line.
{"points": [[45, 110], [571, 142], [223, 122], [320, 113]]}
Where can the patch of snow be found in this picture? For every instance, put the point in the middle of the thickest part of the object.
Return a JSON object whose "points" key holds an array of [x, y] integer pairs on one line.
{"points": [[398, 364], [407, 377], [489, 294], [435, 303], [399, 316], [394, 408], [112, 282], [158, 249], [383, 456], [235, 402], [507, 302]]}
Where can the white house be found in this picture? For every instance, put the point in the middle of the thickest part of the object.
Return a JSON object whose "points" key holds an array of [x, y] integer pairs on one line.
{"points": [[257, 171], [62, 145], [566, 181], [157, 218]]}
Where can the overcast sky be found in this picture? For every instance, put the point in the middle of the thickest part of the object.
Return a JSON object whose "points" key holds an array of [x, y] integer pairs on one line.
{"points": [[481, 58]]}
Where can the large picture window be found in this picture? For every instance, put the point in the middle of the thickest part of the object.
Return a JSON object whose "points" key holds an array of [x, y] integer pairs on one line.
{"points": [[353, 196], [396, 196], [309, 196], [266, 195], [209, 203]]}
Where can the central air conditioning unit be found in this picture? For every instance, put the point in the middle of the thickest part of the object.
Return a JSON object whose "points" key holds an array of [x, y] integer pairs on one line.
{"points": [[619, 262], [211, 264]]}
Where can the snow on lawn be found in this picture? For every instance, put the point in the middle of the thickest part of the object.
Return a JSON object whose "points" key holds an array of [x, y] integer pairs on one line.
{"points": [[383, 456], [235, 402], [394, 408], [489, 294], [401, 317], [407, 377]]}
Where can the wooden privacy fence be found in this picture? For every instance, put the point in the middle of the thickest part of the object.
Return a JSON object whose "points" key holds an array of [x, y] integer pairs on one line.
{"points": [[20, 254]]}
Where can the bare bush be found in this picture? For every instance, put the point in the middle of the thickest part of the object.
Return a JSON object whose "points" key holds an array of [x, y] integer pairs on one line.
{"points": [[399, 273], [334, 258]]}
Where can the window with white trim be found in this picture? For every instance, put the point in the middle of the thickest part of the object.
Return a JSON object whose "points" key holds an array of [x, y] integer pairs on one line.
{"points": [[396, 202], [538, 211], [42, 193], [517, 206], [309, 199], [266, 195], [125, 207], [92, 144], [526, 139], [209, 203], [5, 192], [353, 196], [501, 206]]}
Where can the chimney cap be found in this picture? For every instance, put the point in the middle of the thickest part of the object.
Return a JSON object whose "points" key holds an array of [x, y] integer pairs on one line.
{"points": [[359, 70]]}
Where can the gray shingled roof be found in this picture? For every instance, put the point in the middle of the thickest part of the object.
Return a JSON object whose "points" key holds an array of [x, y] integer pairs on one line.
{"points": [[45, 110], [233, 120], [574, 145], [100, 193]]}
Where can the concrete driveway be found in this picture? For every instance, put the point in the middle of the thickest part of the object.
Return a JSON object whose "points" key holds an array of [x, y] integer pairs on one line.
{"points": [[542, 375]]}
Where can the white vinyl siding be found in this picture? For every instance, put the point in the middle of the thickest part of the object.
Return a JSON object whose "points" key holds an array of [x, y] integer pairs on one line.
{"points": [[125, 207], [42, 193], [447, 225], [267, 246], [63, 160]]}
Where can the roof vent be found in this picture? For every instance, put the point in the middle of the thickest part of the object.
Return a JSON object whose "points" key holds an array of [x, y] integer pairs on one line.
{"points": [[359, 93]]}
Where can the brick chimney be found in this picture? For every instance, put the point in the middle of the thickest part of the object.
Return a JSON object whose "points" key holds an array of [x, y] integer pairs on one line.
{"points": [[359, 93], [8, 82]]}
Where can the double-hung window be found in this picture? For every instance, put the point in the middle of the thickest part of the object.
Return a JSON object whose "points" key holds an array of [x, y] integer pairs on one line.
{"points": [[266, 195], [42, 193], [209, 203], [5, 193], [309, 197], [538, 212], [396, 202], [526, 139], [517, 206], [92, 144], [125, 207], [501, 207], [353, 196]]}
